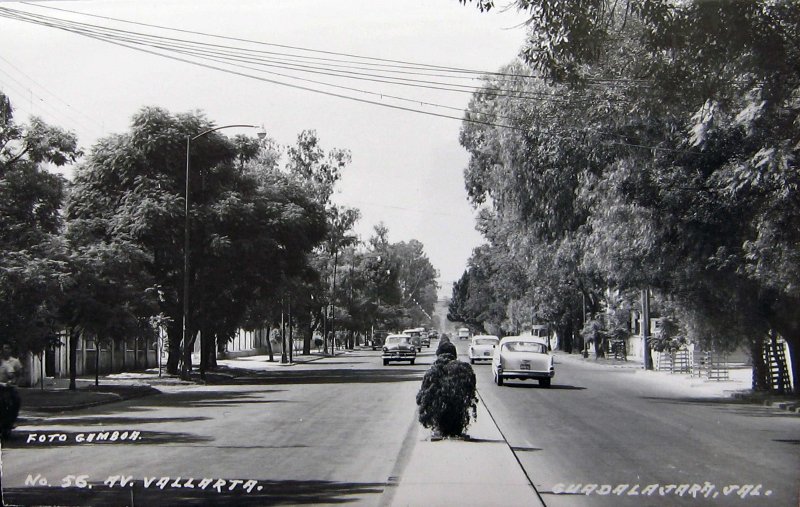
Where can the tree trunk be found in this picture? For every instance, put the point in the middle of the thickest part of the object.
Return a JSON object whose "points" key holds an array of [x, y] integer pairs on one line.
{"points": [[269, 344], [213, 347], [291, 335], [760, 377], [188, 348], [308, 335], [74, 336], [174, 337], [97, 361], [284, 359], [598, 347], [565, 337], [203, 352]]}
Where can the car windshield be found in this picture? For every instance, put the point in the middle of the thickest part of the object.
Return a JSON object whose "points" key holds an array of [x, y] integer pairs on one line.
{"points": [[485, 341], [538, 348], [397, 339]]}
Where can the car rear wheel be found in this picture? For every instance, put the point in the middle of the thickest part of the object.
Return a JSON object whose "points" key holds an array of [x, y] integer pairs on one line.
{"points": [[412, 361], [471, 361], [544, 382]]}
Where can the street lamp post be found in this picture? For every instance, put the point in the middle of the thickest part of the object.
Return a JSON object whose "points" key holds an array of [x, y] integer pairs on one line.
{"points": [[187, 351]]}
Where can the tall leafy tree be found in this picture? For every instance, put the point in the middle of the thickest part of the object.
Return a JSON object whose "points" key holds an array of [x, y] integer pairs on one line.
{"points": [[691, 135], [30, 253], [249, 224]]}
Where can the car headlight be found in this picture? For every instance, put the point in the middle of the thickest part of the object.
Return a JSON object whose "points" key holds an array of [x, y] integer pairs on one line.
{"points": [[385, 349]]}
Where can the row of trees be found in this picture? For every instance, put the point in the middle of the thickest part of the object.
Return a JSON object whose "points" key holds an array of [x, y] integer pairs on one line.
{"points": [[102, 255], [649, 144]]}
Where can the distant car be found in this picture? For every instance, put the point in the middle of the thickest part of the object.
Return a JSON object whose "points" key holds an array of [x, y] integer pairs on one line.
{"points": [[377, 338], [523, 357], [416, 336], [398, 347], [433, 335], [425, 339], [481, 348], [463, 333]]}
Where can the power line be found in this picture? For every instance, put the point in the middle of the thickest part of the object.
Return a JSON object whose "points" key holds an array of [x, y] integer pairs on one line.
{"points": [[284, 46], [192, 49], [53, 95], [272, 81], [254, 56]]}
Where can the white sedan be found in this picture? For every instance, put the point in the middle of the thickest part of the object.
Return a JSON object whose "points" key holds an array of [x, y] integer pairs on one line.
{"points": [[481, 348], [523, 357]]}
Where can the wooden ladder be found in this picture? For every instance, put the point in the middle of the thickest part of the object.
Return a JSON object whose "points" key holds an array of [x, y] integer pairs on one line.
{"points": [[778, 374]]}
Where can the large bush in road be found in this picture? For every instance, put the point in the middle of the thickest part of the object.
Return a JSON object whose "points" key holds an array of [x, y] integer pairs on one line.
{"points": [[447, 399]]}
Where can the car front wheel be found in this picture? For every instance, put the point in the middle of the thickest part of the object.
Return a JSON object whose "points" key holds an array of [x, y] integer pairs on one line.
{"points": [[385, 362], [498, 379]]}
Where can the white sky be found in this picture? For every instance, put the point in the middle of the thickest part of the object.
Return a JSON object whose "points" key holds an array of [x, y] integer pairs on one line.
{"points": [[407, 168]]}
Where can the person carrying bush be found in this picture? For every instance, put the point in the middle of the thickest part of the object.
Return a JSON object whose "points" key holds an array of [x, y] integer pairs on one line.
{"points": [[447, 399]]}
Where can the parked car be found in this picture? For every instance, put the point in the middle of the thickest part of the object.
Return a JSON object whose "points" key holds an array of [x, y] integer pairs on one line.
{"points": [[398, 347], [482, 346], [523, 357]]}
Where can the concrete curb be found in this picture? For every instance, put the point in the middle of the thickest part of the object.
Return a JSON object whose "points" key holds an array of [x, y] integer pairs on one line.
{"points": [[789, 406]]}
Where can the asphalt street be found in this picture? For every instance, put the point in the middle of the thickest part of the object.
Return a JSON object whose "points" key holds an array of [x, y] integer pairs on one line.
{"points": [[340, 430], [608, 436], [328, 432]]}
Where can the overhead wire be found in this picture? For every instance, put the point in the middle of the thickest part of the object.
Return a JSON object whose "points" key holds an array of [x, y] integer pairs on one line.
{"points": [[44, 108], [382, 67], [284, 46], [272, 81], [384, 61], [299, 87], [94, 122], [254, 56], [224, 54]]}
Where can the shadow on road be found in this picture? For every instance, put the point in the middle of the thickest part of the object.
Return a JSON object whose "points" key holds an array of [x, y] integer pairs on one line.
{"points": [[327, 376], [263, 493], [535, 385]]}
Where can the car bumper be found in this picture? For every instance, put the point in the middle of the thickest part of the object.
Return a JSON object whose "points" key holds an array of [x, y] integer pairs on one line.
{"points": [[398, 356], [478, 357], [526, 374]]}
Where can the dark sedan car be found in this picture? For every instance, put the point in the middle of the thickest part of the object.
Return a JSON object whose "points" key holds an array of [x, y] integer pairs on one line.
{"points": [[398, 347]]}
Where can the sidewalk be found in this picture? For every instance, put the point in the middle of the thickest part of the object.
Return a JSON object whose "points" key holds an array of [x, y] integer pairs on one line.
{"points": [[737, 387], [478, 471], [57, 397]]}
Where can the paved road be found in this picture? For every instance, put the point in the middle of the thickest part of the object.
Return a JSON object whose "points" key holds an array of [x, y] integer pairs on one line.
{"points": [[600, 426], [339, 431], [328, 432]]}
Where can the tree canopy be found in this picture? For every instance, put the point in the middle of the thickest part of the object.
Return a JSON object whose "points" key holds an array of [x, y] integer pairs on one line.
{"points": [[650, 144]]}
